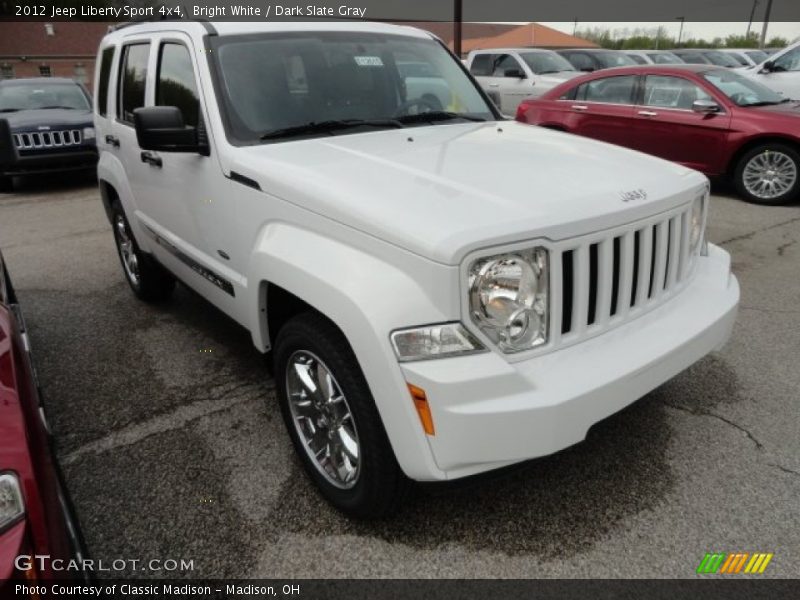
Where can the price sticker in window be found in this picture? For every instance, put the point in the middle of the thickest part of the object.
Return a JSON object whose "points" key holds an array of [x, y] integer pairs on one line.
{"points": [[368, 61]]}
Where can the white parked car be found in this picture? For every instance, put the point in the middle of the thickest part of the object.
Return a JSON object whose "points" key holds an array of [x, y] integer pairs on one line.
{"points": [[443, 292], [653, 57], [513, 74], [781, 72]]}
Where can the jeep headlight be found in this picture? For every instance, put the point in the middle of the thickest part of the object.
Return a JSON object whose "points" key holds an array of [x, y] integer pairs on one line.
{"points": [[88, 133], [11, 505], [509, 299]]}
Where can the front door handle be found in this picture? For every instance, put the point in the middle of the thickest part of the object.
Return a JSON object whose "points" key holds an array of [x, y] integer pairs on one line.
{"points": [[648, 113], [152, 158], [494, 85], [579, 107], [112, 141]]}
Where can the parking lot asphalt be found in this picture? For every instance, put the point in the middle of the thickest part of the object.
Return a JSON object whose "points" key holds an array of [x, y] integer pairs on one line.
{"points": [[173, 447]]}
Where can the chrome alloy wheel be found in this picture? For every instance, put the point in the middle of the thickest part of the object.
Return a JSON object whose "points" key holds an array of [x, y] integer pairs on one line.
{"points": [[769, 174], [323, 419], [127, 251]]}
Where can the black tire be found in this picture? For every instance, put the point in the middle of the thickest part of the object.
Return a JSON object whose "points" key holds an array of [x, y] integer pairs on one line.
{"points": [[380, 485], [786, 150], [6, 184], [151, 283]]}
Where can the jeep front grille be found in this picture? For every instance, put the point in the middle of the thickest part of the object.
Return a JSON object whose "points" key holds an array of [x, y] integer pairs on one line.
{"points": [[47, 139], [605, 279]]}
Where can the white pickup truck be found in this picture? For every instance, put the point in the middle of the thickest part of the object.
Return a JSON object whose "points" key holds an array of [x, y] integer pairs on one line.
{"points": [[510, 75], [443, 292]]}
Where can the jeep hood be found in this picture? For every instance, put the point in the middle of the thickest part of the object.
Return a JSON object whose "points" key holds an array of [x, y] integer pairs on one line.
{"points": [[442, 191], [56, 118]]}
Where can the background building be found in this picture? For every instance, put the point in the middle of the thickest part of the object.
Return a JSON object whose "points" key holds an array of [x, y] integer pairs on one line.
{"points": [[60, 49]]}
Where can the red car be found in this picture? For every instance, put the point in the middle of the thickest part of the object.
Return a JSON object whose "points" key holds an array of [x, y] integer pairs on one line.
{"points": [[704, 117], [35, 515]]}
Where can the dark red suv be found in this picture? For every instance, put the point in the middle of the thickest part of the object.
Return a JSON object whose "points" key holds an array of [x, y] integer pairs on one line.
{"points": [[711, 119], [35, 516]]}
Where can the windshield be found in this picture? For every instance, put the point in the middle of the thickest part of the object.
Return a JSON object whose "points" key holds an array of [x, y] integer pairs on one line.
{"points": [[742, 90], [37, 95], [546, 62], [614, 59], [665, 58], [721, 59], [326, 83], [757, 56]]}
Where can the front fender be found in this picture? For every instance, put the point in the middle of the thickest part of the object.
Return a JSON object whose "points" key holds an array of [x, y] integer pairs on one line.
{"points": [[367, 297]]}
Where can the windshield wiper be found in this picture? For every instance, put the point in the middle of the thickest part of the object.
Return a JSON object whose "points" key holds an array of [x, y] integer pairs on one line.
{"points": [[437, 115], [556, 71], [57, 106], [329, 126], [2, 110]]}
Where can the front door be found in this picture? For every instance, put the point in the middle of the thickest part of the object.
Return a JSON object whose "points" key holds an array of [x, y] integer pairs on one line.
{"points": [[666, 125]]}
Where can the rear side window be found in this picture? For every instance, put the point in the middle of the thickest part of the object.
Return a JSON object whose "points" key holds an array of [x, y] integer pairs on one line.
{"points": [[133, 77], [176, 84], [580, 61], [638, 59], [611, 90], [105, 73], [481, 65]]}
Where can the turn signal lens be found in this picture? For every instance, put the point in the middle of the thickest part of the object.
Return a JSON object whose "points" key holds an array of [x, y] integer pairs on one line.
{"points": [[423, 409]]}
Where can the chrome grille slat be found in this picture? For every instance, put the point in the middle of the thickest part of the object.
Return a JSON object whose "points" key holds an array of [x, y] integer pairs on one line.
{"points": [[608, 278], [34, 140]]}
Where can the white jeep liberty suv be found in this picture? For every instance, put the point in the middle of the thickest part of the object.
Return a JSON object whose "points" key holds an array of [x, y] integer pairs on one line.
{"points": [[443, 292]]}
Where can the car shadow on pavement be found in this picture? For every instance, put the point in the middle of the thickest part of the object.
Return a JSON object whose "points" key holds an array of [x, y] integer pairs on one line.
{"points": [[553, 507]]}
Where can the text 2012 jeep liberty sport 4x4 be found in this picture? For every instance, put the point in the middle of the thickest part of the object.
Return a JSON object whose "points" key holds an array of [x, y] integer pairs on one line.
{"points": [[443, 292]]}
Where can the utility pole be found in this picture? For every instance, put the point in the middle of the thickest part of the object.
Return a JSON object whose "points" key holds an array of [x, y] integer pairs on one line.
{"points": [[766, 24], [750, 22], [575, 26], [680, 31], [457, 16]]}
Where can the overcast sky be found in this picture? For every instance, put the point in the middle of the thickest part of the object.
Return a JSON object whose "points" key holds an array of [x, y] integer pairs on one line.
{"points": [[698, 30]]}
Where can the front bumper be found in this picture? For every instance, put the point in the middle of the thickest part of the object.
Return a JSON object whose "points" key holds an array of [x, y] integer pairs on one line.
{"points": [[81, 158], [489, 413]]}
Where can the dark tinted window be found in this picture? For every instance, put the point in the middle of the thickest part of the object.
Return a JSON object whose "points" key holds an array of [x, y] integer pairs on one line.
{"points": [[133, 77], [105, 73], [481, 65], [612, 90], [176, 83], [580, 61], [693, 58], [637, 59]]}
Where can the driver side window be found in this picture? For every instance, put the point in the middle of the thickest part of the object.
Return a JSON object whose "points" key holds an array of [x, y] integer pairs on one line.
{"points": [[503, 62]]}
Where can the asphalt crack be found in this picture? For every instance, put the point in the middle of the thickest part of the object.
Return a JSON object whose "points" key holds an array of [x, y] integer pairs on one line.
{"points": [[784, 469], [747, 236], [703, 413], [175, 419]]}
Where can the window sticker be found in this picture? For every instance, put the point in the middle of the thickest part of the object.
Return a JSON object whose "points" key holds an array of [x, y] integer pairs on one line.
{"points": [[368, 61]]}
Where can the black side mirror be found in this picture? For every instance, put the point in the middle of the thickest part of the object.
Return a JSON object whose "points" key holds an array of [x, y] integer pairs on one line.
{"points": [[162, 128], [769, 66], [515, 73]]}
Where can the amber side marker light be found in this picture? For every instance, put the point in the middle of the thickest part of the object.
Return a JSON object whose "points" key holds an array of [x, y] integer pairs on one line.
{"points": [[423, 409]]}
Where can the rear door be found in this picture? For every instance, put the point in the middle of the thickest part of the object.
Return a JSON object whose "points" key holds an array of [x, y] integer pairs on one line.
{"points": [[601, 108], [666, 125]]}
